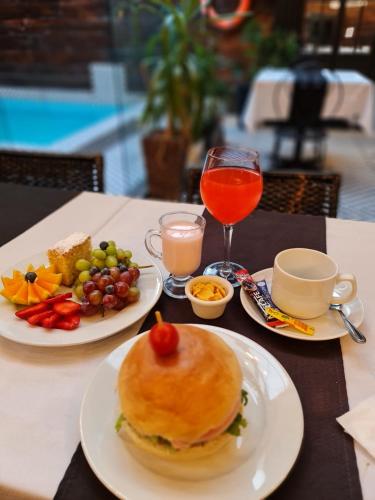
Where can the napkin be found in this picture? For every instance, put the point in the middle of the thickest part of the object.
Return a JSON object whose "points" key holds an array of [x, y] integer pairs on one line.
{"points": [[360, 424]]}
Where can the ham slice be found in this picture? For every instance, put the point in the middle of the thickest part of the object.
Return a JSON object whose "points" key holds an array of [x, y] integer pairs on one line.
{"points": [[212, 433]]}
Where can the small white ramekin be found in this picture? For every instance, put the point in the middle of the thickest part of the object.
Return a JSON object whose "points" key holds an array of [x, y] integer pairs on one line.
{"points": [[209, 309]]}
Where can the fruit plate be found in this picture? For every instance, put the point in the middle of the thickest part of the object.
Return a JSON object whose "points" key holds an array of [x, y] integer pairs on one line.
{"points": [[91, 328], [259, 462]]}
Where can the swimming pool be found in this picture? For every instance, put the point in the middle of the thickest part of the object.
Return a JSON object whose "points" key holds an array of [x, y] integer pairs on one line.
{"points": [[45, 124]]}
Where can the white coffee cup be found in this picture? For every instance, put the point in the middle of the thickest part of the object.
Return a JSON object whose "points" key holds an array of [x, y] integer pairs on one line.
{"points": [[304, 281]]}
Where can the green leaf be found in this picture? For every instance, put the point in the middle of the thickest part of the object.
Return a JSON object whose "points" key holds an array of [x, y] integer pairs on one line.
{"points": [[244, 397], [235, 427], [119, 422]]}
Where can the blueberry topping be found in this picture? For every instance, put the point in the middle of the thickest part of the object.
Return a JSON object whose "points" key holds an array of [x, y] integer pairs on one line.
{"points": [[31, 276], [105, 271], [122, 268], [104, 245]]}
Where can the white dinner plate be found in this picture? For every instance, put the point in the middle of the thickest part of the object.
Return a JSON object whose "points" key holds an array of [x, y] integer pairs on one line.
{"points": [[327, 327], [267, 448], [91, 328]]}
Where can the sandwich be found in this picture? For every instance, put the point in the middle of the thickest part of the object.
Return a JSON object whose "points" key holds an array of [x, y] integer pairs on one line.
{"points": [[185, 405]]}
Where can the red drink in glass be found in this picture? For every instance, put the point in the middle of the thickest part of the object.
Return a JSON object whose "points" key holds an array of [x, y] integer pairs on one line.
{"points": [[231, 193], [231, 187]]}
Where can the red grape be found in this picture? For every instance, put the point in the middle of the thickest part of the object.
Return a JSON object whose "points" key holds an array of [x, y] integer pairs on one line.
{"points": [[104, 281], [96, 277], [88, 309], [121, 289], [126, 277], [115, 273], [121, 303], [109, 301], [88, 287], [95, 298], [133, 294], [134, 272]]}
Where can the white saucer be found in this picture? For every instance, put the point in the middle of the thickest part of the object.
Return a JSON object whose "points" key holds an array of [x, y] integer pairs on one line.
{"points": [[327, 327]]}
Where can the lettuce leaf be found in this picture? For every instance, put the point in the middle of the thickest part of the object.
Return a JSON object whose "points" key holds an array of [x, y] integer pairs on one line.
{"points": [[119, 422], [235, 427], [244, 397]]}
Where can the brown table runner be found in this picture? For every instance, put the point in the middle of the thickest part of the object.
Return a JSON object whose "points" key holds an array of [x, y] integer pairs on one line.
{"points": [[326, 468]]}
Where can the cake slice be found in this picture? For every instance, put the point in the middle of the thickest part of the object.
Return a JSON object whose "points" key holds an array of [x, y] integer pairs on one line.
{"points": [[64, 254]]}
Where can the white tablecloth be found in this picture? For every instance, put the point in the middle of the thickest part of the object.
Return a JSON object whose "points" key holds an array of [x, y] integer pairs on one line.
{"points": [[350, 96], [41, 389]]}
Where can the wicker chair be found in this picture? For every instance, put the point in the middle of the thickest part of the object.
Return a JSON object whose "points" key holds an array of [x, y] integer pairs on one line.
{"points": [[68, 172], [287, 192]]}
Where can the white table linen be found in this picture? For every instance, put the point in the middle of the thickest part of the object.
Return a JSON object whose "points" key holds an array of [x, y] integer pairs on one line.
{"points": [[41, 389], [350, 96], [360, 424]]}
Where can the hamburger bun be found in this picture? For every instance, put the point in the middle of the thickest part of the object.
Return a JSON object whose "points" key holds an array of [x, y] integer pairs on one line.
{"points": [[181, 397]]}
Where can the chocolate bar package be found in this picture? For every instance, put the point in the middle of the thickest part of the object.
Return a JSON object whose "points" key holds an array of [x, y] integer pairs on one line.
{"points": [[259, 293]]}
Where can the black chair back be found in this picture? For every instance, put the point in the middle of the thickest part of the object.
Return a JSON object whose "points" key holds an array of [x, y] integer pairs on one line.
{"points": [[286, 192], [62, 171], [308, 96]]}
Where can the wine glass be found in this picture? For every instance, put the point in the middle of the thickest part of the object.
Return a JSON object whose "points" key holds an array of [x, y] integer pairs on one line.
{"points": [[231, 187]]}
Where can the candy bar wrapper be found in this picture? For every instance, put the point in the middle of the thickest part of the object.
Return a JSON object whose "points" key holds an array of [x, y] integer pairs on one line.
{"points": [[296, 323], [260, 296]]}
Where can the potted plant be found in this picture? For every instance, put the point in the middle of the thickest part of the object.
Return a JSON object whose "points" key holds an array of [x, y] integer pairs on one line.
{"points": [[181, 104]]}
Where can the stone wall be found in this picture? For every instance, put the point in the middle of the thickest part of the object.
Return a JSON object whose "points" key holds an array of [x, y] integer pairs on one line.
{"points": [[50, 42]]}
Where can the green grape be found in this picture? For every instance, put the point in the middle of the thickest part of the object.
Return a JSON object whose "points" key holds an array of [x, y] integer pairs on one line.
{"points": [[111, 261], [99, 254], [128, 254], [133, 264], [98, 263], [120, 254], [111, 250], [79, 291], [84, 276], [82, 265], [133, 294], [111, 243]]}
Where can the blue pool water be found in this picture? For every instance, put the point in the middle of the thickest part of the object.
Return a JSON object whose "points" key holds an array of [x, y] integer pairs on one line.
{"points": [[37, 123]]}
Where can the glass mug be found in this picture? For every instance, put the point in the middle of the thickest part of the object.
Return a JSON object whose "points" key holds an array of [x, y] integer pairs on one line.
{"points": [[181, 234]]}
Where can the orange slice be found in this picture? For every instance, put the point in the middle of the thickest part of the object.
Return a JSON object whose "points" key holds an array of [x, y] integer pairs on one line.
{"points": [[32, 295], [47, 285], [21, 297], [39, 292]]}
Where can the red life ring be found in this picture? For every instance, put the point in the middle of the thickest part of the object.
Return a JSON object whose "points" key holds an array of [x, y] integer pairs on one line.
{"points": [[227, 21]]}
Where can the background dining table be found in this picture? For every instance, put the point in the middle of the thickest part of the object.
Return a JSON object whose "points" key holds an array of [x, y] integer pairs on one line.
{"points": [[350, 96], [41, 388]]}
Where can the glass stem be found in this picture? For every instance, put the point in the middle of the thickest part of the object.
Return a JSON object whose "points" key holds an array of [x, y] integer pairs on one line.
{"points": [[227, 268]]}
